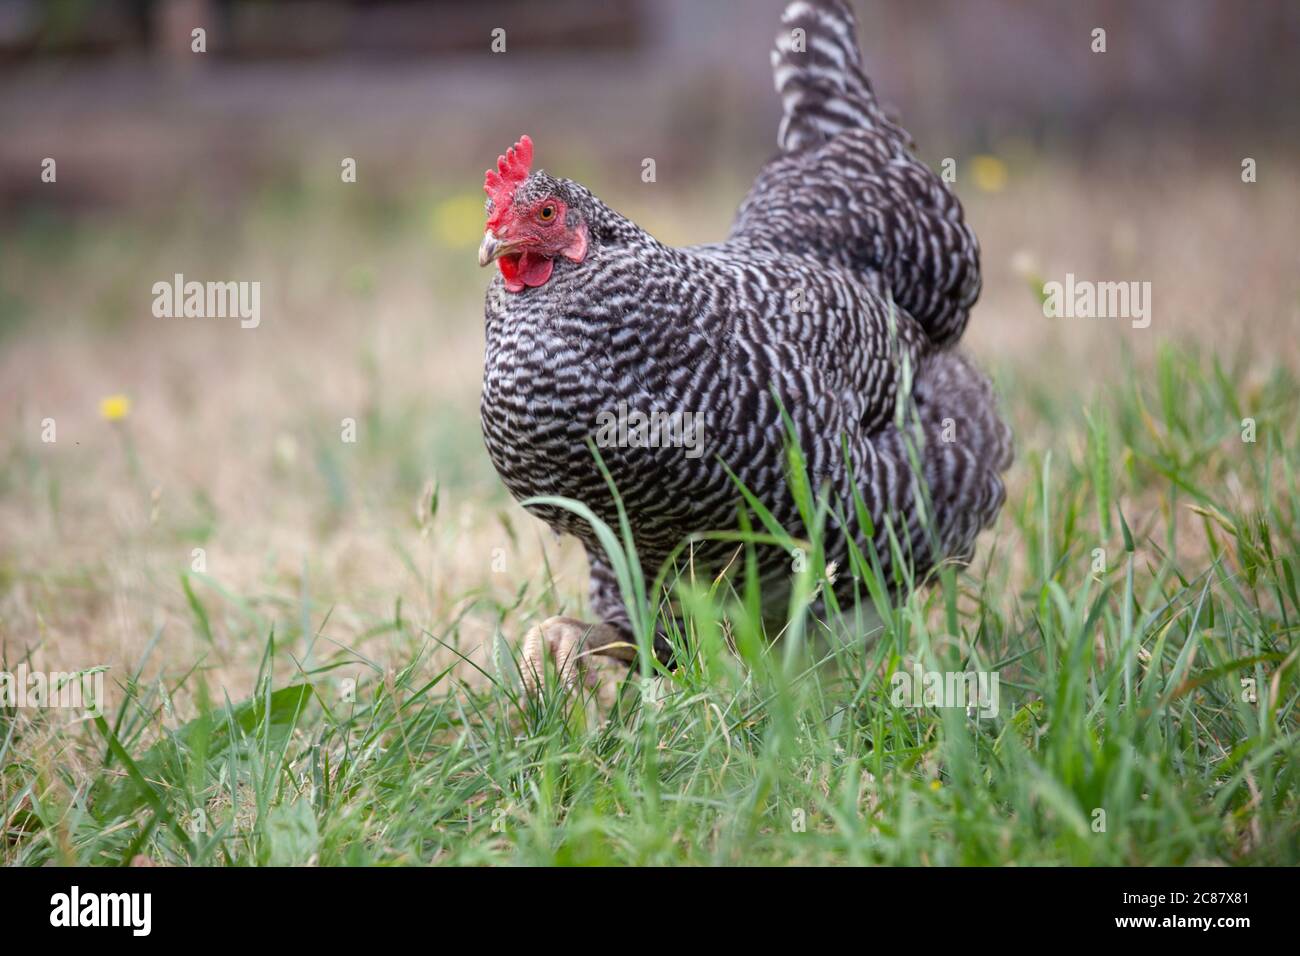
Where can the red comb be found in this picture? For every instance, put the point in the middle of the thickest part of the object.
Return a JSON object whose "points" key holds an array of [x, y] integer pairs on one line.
{"points": [[500, 183]]}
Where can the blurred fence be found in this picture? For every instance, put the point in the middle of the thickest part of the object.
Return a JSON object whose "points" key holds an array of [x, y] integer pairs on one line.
{"points": [[420, 83]]}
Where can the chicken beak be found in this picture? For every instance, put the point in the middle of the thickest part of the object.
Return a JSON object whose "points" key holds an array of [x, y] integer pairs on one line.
{"points": [[494, 248]]}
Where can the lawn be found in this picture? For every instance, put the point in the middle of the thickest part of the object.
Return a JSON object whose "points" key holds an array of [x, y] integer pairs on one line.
{"points": [[308, 640]]}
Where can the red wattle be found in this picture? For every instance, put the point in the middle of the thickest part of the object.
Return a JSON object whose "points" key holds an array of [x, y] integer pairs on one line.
{"points": [[524, 269]]}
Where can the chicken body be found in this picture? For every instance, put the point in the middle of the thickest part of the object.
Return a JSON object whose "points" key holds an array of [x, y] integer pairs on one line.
{"points": [[845, 283]]}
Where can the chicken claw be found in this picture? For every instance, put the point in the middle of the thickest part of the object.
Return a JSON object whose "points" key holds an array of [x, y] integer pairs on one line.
{"points": [[570, 644]]}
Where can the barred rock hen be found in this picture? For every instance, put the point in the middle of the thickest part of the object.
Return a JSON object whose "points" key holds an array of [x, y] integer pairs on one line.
{"points": [[846, 280]]}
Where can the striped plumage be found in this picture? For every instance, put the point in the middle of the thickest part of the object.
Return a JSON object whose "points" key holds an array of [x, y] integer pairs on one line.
{"points": [[848, 276]]}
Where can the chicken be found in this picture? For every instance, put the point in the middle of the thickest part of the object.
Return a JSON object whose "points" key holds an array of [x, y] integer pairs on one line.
{"points": [[842, 289]]}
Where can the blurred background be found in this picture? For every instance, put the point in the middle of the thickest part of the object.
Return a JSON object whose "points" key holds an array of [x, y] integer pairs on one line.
{"points": [[415, 87], [185, 437]]}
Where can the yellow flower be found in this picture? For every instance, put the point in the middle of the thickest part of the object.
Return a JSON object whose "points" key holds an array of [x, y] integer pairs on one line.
{"points": [[114, 408], [989, 173], [459, 221], [935, 785]]}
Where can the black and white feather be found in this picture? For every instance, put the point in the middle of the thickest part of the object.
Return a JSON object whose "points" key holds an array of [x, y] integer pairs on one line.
{"points": [[845, 283]]}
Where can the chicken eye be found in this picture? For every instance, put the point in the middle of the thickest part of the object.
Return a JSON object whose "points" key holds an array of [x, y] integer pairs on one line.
{"points": [[547, 213]]}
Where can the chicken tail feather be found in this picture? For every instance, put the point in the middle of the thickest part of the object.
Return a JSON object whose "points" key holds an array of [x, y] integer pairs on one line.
{"points": [[817, 68]]}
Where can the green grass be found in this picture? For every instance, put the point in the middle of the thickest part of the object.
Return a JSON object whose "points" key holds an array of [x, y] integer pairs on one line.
{"points": [[1126, 731]]}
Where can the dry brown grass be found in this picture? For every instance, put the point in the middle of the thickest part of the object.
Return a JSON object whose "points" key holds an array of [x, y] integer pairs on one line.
{"points": [[380, 321]]}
